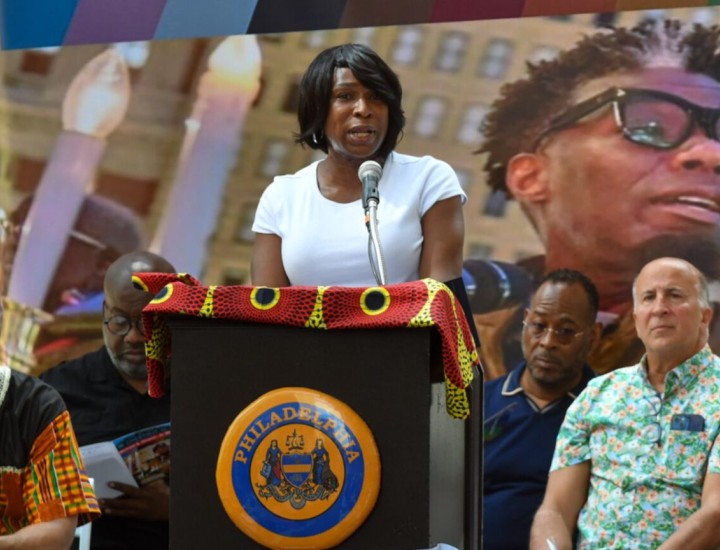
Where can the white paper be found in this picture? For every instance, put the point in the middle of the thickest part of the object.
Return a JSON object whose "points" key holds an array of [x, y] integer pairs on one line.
{"points": [[103, 463]]}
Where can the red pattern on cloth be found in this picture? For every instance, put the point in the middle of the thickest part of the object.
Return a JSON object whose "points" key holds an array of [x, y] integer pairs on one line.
{"points": [[426, 303]]}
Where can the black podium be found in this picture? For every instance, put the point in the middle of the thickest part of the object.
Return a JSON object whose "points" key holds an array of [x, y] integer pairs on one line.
{"points": [[392, 378]]}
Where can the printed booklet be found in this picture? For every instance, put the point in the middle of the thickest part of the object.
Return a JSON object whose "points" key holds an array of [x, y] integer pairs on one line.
{"points": [[137, 458]]}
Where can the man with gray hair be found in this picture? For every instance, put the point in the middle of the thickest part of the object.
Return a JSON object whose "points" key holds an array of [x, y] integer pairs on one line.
{"points": [[636, 463], [612, 151]]}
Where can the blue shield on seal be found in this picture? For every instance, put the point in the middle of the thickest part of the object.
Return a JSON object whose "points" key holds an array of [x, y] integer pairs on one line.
{"points": [[296, 468]]}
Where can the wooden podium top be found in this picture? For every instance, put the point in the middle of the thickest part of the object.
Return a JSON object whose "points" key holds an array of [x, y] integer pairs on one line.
{"points": [[419, 304]]}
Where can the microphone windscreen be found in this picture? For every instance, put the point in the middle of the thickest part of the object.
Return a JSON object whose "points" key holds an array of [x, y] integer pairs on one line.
{"points": [[368, 168], [493, 285]]}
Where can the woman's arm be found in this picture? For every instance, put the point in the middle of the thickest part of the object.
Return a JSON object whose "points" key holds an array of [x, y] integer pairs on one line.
{"points": [[267, 268], [443, 236]]}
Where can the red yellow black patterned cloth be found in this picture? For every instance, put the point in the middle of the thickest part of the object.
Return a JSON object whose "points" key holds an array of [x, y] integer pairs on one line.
{"points": [[41, 479], [425, 303]]}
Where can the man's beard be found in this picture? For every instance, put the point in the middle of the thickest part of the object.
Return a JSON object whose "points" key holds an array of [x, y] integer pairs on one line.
{"points": [[703, 251], [133, 370], [563, 380]]}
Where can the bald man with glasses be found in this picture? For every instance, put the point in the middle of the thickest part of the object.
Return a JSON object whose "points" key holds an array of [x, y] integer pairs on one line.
{"points": [[612, 150], [106, 394], [636, 463]]}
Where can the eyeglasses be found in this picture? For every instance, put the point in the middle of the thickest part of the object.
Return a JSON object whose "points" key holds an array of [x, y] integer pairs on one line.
{"points": [[652, 433], [121, 325], [563, 335], [647, 117]]}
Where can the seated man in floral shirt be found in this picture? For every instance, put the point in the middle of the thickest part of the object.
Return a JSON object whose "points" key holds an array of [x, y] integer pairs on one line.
{"points": [[636, 463]]}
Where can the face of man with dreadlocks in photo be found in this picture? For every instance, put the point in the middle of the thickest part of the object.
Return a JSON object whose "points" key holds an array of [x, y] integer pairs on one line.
{"points": [[612, 151]]}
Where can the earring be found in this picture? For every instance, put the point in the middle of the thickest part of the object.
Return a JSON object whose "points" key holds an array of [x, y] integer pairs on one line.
{"points": [[317, 140]]}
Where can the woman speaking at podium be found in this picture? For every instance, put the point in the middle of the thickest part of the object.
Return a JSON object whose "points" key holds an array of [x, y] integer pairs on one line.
{"points": [[310, 226]]}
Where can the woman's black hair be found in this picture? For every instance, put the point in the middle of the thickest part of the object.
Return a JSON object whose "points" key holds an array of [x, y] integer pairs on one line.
{"points": [[317, 84]]}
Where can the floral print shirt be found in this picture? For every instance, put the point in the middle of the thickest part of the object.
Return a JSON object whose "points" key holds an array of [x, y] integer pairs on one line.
{"points": [[648, 452]]}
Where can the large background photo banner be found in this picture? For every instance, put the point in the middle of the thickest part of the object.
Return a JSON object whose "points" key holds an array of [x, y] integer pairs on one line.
{"points": [[169, 144], [40, 23]]}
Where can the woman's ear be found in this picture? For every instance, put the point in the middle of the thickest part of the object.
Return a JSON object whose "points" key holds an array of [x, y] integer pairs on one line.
{"points": [[526, 178]]}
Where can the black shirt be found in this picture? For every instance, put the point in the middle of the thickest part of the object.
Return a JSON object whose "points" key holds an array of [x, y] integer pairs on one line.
{"points": [[27, 407]]}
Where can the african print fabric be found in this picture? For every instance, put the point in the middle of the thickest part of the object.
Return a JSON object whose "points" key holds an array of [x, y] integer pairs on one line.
{"points": [[422, 304], [51, 485]]}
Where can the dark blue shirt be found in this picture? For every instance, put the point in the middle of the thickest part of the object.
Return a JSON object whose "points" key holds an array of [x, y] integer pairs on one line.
{"points": [[519, 444]]}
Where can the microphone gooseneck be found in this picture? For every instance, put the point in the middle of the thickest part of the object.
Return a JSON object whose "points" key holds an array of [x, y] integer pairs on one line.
{"points": [[370, 173]]}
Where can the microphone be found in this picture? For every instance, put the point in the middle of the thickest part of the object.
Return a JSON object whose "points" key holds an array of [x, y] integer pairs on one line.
{"points": [[370, 173], [495, 285]]}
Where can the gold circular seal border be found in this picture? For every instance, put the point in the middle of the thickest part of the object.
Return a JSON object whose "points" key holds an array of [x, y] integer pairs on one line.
{"points": [[366, 499]]}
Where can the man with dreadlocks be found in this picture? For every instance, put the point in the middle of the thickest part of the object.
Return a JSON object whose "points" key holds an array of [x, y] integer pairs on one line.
{"points": [[612, 151]]}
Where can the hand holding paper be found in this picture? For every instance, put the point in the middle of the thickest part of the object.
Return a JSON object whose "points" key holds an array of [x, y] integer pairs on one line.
{"points": [[103, 463]]}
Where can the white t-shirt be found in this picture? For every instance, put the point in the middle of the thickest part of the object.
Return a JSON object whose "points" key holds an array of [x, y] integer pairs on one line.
{"points": [[326, 242]]}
